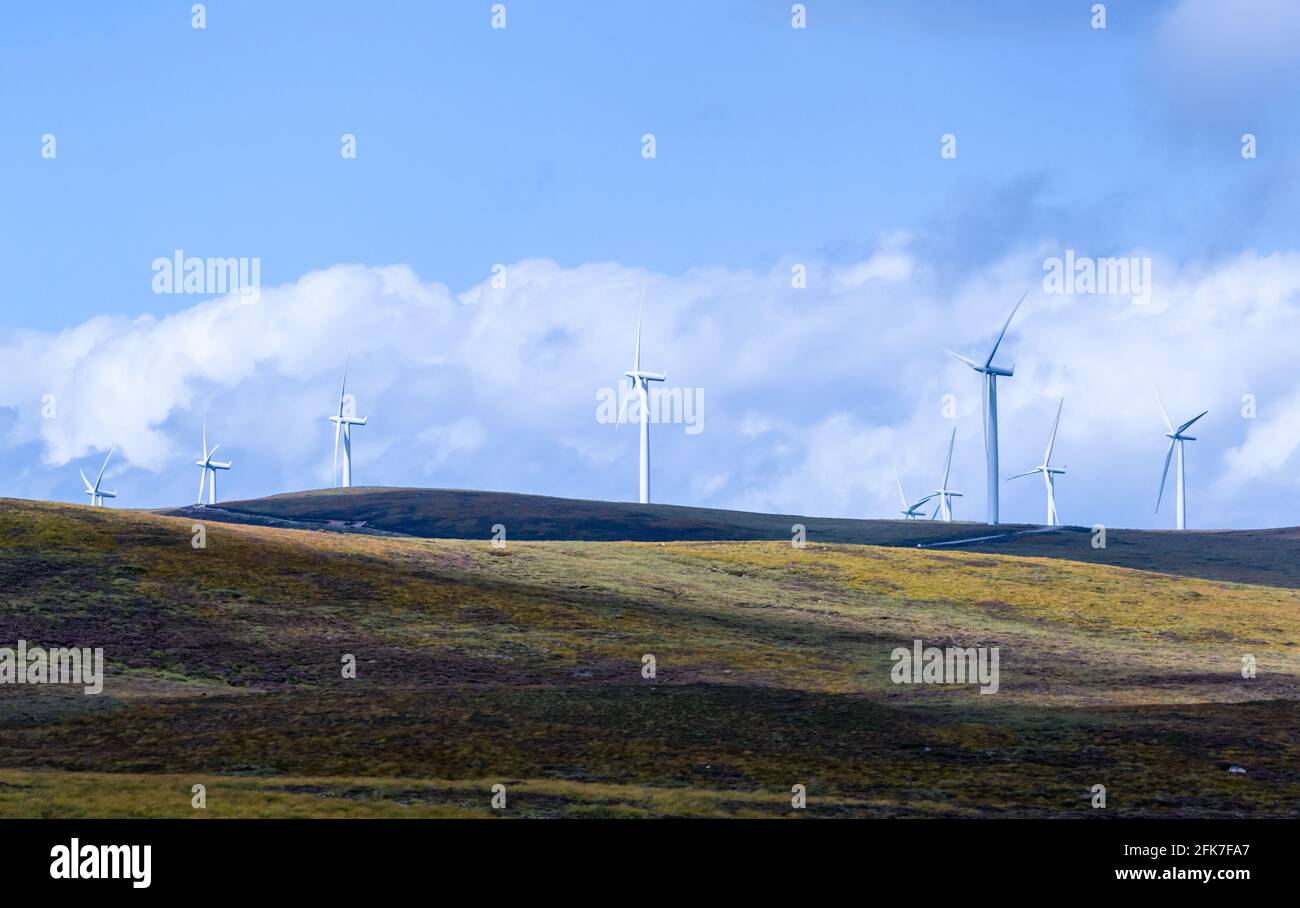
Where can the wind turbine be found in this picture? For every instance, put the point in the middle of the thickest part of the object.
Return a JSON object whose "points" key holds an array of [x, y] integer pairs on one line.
{"points": [[1048, 471], [1176, 439], [943, 493], [208, 465], [343, 424], [913, 510], [990, 399], [640, 381], [97, 495]]}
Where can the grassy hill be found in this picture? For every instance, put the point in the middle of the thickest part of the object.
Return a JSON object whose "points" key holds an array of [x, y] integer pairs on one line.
{"points": [[522, 666], [1270, 557]]}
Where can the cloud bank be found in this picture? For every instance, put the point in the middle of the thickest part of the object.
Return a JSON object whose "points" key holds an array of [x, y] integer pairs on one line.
{"points": [[810, 395]]}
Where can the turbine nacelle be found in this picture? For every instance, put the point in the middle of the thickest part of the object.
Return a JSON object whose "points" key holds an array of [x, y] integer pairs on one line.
{"points": [[944, 494], [991, 375], [1176, 438], [97, 495], [646, 376], [983, 369], [208, 465], [343, 424], [913, 510], [640, 379], [1047, 471]]}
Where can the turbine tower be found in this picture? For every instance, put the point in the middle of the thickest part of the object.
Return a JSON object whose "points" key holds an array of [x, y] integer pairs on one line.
{"points": [[97, 495], [990, 400], [343, 424], [913, 510], [1176, 439], [208, 465], [1048, 471], [640, 381], [943, 493]]}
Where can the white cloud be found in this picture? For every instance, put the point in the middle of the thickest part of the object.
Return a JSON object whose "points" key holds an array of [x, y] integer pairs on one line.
{"points": [[457, 438], [891, 264], [1270, 445], [812, 394]]}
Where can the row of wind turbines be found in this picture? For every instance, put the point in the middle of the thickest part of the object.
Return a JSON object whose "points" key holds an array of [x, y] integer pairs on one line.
{"points": [[208, 467], [990, 374], [639, 381]]}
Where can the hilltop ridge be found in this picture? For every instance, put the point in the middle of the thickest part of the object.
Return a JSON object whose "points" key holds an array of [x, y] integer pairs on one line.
{"points": [[1266, 556]]}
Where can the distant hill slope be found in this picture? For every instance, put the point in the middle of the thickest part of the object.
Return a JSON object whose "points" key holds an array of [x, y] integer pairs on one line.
{"points": [[1270, 557], [523, 665]]}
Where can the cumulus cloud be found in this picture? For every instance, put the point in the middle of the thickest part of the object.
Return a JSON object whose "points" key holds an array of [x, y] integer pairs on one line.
{"points": [[811, 395]]}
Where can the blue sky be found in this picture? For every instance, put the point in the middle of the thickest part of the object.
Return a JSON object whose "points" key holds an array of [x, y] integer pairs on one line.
{"points": [[774, 146]]}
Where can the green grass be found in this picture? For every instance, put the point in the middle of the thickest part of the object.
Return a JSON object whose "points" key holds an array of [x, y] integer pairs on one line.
{"points": [[477, 666], [36, 795]]}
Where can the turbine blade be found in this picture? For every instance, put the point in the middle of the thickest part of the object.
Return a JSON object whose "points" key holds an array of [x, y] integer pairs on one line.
{"points": [[1163, 412], [203, 477], [935, 513], [1165, 475], [343, 389], [104, 467], [960, 358], [947, 464], [901, 497], [1026, 473], [89, 487], [1005, 325], [1051, 442], [636, 357], [1187, 425]]}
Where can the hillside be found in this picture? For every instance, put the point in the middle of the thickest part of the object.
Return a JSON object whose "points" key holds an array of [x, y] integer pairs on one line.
{"points": [[523, 666], [1270, 557]]}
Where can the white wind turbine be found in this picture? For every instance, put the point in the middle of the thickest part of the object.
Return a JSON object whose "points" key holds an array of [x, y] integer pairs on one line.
{"points": [[990, 398], [208, 465], [943, 493], [1176, 439], [913, 510], [640, 380], [97, 495], [1048, 471], [343, 424]]}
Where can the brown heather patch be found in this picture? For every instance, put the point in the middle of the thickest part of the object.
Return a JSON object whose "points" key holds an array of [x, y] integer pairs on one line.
{"points": [[773, 669]]}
